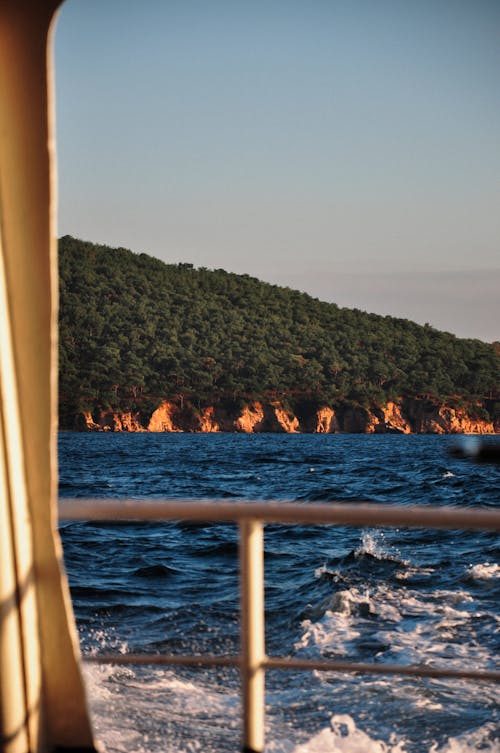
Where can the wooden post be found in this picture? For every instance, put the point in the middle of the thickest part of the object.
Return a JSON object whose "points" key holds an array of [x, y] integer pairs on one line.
{"points": [[252, 633]]}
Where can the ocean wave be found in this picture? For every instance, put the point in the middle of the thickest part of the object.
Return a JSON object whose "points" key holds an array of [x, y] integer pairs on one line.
{"points": [[401, 625], [329, 494], [373, 559], [155, 571]]}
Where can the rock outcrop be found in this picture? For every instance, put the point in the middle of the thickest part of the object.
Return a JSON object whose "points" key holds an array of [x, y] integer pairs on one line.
{"points": [[326, 421], [409, 415], [251, 418], [208, 422], [109, 421], [427, 417], [393, 420], [285, 420], [164, 418]]}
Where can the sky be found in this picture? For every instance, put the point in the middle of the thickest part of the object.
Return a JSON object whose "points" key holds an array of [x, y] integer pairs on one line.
{"points": [[346, 148]]}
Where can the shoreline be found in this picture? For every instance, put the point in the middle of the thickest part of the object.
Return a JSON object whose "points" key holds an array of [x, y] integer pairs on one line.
{"points": [[405, 416]]}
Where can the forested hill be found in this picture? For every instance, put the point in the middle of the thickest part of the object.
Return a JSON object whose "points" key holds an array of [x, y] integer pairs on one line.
{"points": [[135, 331]]}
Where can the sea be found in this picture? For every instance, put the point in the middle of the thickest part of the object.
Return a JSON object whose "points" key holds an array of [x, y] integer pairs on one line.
{"points": [[371, 594]]}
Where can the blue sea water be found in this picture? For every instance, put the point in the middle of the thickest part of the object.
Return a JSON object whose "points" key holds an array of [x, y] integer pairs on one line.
{"points": [[373, 595]]}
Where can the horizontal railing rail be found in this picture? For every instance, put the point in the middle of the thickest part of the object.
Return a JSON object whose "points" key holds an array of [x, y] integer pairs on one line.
{"points": [[251, 517], [340, 513], [278, 662]]}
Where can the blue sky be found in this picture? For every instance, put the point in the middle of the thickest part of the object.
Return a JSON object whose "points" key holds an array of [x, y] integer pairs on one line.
{"points": [[350, 149]]}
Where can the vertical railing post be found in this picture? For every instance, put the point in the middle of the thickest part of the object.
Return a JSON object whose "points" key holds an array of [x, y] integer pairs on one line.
{"points": [[252, 633]]}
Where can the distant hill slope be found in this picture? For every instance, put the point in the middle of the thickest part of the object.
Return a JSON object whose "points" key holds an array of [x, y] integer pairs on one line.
{"points": [[135, 331]]}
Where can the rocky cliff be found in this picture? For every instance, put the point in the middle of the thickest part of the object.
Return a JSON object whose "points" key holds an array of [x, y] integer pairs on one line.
{"points": [[408, 415]]}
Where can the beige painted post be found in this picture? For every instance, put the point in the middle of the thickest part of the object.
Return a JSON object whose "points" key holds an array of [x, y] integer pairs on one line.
{"points": [[42, 699], [252, 633]]}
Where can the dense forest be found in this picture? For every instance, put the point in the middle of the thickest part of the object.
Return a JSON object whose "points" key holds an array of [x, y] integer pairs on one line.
{"points": [[134, 331]]}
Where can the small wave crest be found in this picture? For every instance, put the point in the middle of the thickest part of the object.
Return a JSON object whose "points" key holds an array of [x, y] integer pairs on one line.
{"points": [[154, 571], [372, 553], [373, 544]]}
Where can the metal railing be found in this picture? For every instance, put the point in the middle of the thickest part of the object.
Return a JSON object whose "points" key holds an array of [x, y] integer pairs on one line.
{"points": [[251, 518]]}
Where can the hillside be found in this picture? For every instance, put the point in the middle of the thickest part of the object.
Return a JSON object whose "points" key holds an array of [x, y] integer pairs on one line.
{"points": [[136, 333]]}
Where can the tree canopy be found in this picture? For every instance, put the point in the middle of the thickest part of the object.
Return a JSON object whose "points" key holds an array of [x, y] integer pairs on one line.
{"points": [[134, 331]]}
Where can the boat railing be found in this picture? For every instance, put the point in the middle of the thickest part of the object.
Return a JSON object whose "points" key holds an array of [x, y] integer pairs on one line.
{"points": [[251, 517]]}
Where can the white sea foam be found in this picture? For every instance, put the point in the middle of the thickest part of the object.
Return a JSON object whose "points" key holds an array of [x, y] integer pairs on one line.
{"points": [[138, 710], [415, 572], [484, 571], [334, 633], [372, 542], [409, 627], [104, 640], [344, 736], [155, 711]]}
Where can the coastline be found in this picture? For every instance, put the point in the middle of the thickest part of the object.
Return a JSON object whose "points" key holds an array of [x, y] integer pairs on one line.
{"points": [[404, 416]]}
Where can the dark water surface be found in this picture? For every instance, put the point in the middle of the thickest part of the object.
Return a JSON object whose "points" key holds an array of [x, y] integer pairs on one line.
{"points": [[371, 595]]}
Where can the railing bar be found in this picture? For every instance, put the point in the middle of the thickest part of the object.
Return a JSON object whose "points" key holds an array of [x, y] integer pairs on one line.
{"points": [[252, 631], [208, 661], [388, 669], [285, 663], [359, 514]]}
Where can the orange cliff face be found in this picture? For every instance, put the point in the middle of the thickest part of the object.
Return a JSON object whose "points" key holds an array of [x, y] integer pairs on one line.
{"points": [[429, 418], [396, 417], [208, 421], [251, 418], [162, 419], [326, 421], [259, 418], [129, 422], [458, 422], [109, 421], [393, 419], [287, 422]]}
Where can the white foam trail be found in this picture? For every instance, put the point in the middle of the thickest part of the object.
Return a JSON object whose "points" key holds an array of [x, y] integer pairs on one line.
{"points": [[162, 712], [344, 736], [140, 711]]}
